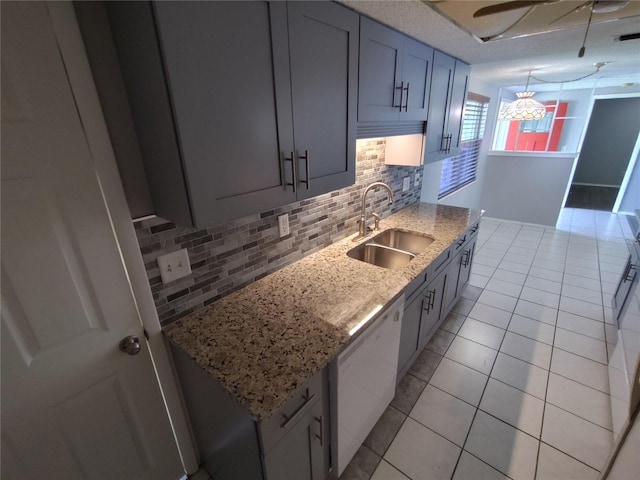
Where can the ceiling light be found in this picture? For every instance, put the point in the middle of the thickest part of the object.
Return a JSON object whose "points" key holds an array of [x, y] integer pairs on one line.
{"points": [[524, 108]]}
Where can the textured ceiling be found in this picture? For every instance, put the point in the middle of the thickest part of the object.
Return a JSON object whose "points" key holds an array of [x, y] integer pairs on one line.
{"points": [[551, 56], [544, 16]]}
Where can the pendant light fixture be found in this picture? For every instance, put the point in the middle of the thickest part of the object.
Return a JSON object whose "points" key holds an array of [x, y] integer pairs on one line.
{"points": [[524, 108]]}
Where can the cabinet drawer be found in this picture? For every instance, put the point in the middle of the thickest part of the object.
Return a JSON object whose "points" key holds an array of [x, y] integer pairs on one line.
{"points": [[439, 264], [282, 421], [414, 286]]}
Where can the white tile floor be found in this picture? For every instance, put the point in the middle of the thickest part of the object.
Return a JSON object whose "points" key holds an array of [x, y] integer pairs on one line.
{"points": [[521, 386]]}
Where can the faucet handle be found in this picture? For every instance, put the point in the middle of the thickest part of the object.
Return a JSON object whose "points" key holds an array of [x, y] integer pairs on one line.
{"points": [[377, 221]]}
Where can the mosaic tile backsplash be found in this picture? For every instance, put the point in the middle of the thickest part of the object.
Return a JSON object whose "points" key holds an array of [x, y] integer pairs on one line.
{"points": [[229, 256]]}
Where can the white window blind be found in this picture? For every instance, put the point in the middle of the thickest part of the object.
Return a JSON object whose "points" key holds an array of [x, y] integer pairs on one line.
{"points": [[460, 170]]}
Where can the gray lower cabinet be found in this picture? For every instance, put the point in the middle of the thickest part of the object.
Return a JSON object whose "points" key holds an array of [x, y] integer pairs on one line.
{"points": [[301, 453], [239, 106], [422, 312], [410, 332], [432, 296], [431, 308], [395, 75], [460, 268], [292, 444], [449, 83]]}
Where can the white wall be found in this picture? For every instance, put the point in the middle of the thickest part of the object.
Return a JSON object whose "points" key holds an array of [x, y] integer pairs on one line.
{"points": [[469, 196], [525, 186]]}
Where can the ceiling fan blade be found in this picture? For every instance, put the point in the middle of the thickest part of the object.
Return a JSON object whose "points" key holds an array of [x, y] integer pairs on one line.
{"points": [[499, 35], [508, 6], [575, 10]]}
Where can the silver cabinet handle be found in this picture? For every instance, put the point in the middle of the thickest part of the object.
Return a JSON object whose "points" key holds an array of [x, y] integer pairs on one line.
{"points": [[406, 104], [289, 419], [631, 273], [305, 157], [429, 299], [321, 436], [293, 172], [464, 261], [445, 140], [401, 88]]}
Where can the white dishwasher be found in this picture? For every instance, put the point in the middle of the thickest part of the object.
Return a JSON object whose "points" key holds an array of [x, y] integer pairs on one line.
{"points": [[364, 379]]}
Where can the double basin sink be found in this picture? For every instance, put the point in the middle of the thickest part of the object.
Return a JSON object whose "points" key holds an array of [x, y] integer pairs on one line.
{"points": [[392, 248]]}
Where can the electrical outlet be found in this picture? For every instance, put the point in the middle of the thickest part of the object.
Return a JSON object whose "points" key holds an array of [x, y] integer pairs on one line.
{"points": [[416, 181], [174, 265], [406, 182], [283, 225]]}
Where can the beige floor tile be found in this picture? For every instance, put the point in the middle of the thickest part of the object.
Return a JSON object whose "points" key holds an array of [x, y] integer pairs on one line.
{"points": [[513, 406], [503, 447], [580, 400], [460, 381], [444, 414], [422, 454], [577, 437], [555, 465], [471, 468]]}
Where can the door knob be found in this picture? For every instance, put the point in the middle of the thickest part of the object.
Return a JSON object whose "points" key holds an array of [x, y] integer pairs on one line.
{"points": [[130, 345]]}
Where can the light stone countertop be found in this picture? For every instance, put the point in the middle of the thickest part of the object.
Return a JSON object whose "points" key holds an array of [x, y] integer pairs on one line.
{"points": [[266, 340]]}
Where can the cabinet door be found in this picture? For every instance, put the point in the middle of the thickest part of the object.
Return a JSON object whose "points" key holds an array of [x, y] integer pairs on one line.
{"points": [[409, 333], [439, 101], [456, 109], [223, 62], [465, 266], [431, 308], [452, 282], [323, 41], [300, 455], [417, 59], [380, 67]]}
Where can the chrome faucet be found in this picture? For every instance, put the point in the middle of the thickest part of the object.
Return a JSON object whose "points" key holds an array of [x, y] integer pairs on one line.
{"points": [[362, 232]]}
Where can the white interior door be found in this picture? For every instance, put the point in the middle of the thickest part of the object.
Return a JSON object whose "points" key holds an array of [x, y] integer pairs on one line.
{"points": [[73, 405]]}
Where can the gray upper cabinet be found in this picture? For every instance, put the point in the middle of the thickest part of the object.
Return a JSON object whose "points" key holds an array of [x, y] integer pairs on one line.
{"points": [[217, 90], [323, 42], [395, 75], [449, 82]]}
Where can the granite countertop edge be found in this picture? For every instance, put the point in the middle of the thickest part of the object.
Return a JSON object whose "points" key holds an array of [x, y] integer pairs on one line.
{"points": [[264, 342]]}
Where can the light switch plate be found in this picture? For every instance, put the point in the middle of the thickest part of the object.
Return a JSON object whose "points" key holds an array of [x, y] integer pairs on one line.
{"points": [[174, 265], [406, 182], [283, 225], [416, 181]]}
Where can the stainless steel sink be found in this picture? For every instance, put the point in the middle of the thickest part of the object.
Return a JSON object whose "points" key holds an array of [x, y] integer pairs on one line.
{"points": [[391, 249], [402, 240], [385, 257]]}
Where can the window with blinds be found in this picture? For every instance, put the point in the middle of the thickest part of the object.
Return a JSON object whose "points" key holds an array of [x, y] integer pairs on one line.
{"points": [[460, 170]]}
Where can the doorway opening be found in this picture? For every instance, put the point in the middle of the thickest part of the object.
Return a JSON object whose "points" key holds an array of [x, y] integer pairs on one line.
{"points": [[603, 167]]}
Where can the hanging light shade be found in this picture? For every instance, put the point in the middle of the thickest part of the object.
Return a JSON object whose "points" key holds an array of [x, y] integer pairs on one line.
{"points": [[524, 108]]}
